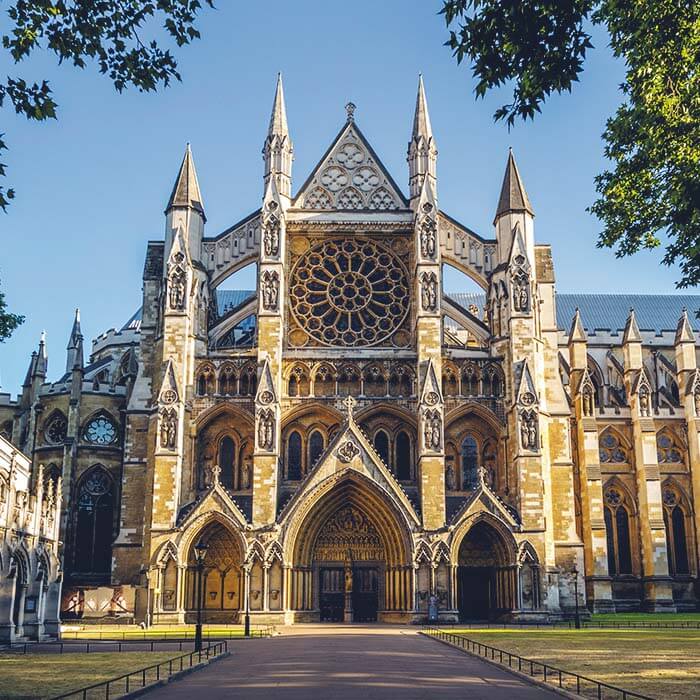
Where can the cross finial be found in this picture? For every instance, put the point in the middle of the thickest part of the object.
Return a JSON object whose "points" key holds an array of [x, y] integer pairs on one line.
{"points": [[350, 404], [350, 110], [216, 473]]}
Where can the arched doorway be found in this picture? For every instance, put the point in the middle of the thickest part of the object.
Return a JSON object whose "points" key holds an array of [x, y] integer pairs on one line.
{"points": [[485, 574], [222, 578], [351, 560]]}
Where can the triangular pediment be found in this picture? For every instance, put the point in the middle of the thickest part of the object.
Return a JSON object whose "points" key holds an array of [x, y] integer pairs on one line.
{"points": [[215, 500], [484, 500], [350, 177], [350, 453]]}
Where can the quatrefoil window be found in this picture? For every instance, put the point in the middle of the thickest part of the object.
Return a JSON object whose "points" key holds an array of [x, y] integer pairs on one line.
{"points": [[349, 292]]}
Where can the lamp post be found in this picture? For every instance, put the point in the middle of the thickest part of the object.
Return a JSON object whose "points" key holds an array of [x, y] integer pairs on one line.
{"points": [[577, 619], [247, 602], [200, 551]]}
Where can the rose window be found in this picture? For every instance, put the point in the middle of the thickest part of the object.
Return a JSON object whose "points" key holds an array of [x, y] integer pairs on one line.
{"points": [[349, 292]]}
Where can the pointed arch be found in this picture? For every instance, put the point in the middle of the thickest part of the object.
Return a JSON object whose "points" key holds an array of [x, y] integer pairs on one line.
{"points": [[349, 487], [93, 521]]}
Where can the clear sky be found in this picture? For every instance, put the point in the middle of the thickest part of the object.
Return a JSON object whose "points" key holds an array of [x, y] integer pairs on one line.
{"points": [[92, 186]]}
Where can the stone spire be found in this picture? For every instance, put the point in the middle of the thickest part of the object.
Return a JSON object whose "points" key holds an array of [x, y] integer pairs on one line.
{"points": [[186, 189], [513, 195], [278, 151], [577, 332], [422, 151], [684, 331], [74, 355], [632, 334], [42, 359]]}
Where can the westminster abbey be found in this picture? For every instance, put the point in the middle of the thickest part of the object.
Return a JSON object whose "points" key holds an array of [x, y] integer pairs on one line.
{"points": [[354, 444]]}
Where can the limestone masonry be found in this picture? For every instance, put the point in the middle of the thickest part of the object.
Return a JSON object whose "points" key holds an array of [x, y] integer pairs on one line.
{"points": [[349, 441]]}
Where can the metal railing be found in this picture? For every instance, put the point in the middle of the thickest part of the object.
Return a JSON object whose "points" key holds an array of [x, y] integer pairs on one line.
{"points": [[567, 680], [105, 646], [147, 676], [153, 633]]}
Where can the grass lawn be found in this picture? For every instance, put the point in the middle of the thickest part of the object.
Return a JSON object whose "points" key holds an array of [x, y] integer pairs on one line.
{"points": [[124, 632], [660, 663], [646, 617], [46, 675]]}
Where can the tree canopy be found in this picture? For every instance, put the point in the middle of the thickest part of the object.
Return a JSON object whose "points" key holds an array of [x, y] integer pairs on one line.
{"points": [[114, 35], [650, 194]]}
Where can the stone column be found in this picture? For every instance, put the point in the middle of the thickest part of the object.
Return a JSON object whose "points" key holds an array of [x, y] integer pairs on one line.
{"points": [[656, 580], [689, 389], [597, 579]]}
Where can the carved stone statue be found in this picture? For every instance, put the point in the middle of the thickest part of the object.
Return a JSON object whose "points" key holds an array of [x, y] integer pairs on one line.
{"points": [[450, 479], [245, 473], [644, 403], [521, 294], [271, 231], [587, 402], [266, 429], [429, 291], [176, 290], [270, 290], [428, 233], [696, 396], [528, 430], [168, 428], [348, 579], [431, 429]]}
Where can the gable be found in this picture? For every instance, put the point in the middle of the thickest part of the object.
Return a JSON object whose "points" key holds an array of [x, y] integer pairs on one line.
{"points": [[350, 177]]}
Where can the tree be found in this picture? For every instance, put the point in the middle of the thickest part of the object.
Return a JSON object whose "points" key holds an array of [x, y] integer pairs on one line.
{"points": [[8, 321], [651, 191], [106, 32]]}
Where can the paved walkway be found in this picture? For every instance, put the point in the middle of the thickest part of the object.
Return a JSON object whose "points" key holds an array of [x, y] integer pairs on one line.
{"points": [[349, 663]]}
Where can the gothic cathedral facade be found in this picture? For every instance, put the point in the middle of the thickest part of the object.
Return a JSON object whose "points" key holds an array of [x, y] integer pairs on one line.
{"points": [[351, 442]]}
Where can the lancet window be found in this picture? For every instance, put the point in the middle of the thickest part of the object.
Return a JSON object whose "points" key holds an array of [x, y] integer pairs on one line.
{"points": [[94, 522], [617, 527], [675, 517]]}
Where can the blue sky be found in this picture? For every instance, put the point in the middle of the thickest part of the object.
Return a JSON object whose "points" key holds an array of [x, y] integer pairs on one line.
{"points": [[92, 186]]}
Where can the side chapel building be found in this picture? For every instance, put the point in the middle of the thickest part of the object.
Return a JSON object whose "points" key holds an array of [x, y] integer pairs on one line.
{"points": [[349, 440]]}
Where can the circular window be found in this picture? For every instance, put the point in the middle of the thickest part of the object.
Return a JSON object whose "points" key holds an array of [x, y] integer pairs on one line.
{"points": [[56, 430], [349, 292], [101, 431]]}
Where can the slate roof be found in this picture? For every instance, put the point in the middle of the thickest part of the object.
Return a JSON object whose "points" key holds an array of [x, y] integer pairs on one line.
{"points": [[654, 312], [227, 299]]}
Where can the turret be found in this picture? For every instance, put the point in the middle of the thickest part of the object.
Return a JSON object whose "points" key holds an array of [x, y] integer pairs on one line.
{"points": [[685, 345], [422, 151], [74, 354], [514, 209], [632, 344], [578, 354], [185, 209], [278, 151]]}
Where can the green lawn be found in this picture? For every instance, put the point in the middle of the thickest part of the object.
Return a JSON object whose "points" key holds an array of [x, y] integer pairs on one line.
{"points": [[659, 663], [124, 632], [47, 675], [646, 617]]}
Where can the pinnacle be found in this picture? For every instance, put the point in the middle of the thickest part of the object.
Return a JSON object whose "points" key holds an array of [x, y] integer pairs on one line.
{"points": [[513, 196], [684, 331], [632, 333], [278, 118], [577, 332], [421, 118], [186, 189]]}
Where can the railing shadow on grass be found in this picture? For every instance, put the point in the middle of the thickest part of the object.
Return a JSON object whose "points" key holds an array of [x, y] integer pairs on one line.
{"points": [[566, 680], [147, 676]]}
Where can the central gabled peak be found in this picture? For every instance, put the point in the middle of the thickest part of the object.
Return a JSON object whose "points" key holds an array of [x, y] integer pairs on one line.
{"points": [[350, 176]]}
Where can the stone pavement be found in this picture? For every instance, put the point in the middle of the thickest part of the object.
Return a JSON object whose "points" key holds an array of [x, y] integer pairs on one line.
{"points": [[349, 662]]}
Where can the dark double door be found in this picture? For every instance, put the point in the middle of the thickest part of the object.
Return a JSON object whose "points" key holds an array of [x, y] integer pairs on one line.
{"points": [[475, 592], [365, 594]]}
